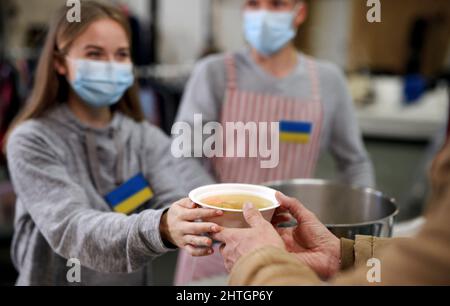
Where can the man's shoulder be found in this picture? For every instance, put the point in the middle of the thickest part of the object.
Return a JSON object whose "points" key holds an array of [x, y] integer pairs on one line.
{"points": [[212, 62], [325, 67]]}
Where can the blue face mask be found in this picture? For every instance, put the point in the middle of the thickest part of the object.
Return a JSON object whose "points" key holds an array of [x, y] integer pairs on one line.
{"points": [[267, 31], [101, 84]]}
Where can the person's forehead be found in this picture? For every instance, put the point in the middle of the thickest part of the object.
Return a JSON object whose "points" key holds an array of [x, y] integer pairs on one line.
{"points": [[102, 33]]}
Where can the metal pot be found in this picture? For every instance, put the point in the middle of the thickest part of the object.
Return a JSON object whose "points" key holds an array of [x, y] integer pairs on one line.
{"points": [[346, 210]]}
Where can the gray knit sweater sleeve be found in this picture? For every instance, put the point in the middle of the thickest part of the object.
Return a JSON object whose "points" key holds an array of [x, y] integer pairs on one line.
{"points": [[103, 241], [344, 135]]}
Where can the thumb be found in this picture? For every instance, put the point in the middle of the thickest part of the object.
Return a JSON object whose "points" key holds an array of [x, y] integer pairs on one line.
{"points": [[294, 207], [252, 215]]}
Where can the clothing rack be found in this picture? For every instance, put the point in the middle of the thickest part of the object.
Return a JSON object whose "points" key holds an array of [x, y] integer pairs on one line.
{"points": [[166, 83], [2, 29]]}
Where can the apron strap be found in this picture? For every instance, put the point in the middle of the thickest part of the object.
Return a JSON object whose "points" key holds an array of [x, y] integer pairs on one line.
{"points": [[231, 71], [314, 77]]}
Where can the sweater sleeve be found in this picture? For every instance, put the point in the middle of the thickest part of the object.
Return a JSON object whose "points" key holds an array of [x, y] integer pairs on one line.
{"points": [[359, 251], [103, 241], [422, 260], [203, 98], [274, 267], [271, 266], [204, 92], [346, 143]]}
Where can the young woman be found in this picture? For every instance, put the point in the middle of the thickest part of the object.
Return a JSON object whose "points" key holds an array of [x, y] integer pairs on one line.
{"points": [[93, 180], [272, 82]]}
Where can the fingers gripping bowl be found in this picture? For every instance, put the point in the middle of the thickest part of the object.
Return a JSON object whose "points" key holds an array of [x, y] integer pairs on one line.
{"points": [[230, 198]]}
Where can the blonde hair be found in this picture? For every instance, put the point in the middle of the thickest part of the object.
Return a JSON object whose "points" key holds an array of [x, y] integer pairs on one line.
{"points": [[50, 88]]}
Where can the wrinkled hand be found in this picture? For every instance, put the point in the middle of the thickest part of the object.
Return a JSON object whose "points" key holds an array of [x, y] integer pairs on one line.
{"points": [[240, 242], [178, 227], [310, 241]]}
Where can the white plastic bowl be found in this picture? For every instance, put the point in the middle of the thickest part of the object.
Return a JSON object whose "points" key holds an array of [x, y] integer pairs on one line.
{"points": [[234, 218]]}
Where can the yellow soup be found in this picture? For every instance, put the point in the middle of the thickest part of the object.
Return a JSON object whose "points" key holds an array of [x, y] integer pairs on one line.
{"points": [[236, 201]]}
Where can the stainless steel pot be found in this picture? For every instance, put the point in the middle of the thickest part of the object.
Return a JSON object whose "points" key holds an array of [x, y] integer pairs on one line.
{"points": [[346, 210]]}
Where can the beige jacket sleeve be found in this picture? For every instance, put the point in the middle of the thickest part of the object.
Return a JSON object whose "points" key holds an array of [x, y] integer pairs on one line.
{"points": [[423, 260], [273, 266]]}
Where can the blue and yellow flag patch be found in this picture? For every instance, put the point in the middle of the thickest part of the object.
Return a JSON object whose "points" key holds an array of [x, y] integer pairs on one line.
{"points": [[130, 196], [295, 131]]}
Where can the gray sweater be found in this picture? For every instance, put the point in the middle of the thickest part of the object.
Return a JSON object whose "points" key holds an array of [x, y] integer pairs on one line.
{"points": [[61, 169], [341, 135]]}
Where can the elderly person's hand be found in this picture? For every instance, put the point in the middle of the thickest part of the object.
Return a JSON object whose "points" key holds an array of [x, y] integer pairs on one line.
{"points": [[240, 242], [310, 241]]}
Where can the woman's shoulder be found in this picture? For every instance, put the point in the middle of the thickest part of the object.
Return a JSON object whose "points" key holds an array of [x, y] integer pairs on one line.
{"points": [[29, 129], [32, 135], [45, 130]]}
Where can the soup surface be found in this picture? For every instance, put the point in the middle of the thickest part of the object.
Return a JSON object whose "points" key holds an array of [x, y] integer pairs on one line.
{"points": [[236, 201]]}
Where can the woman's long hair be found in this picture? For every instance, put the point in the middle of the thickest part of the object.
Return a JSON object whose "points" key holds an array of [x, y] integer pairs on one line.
{"points": [[50, 88]]}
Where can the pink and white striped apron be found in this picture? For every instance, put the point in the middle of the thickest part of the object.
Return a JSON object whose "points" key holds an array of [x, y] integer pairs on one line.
{"points": [[296, 160]]}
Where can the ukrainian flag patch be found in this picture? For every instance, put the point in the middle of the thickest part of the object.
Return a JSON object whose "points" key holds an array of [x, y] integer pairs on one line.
{"points": [[295, 131], [130, 196]]}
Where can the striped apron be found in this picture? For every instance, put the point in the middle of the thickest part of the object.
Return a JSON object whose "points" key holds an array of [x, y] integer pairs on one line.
{"points": [[295, 160]]}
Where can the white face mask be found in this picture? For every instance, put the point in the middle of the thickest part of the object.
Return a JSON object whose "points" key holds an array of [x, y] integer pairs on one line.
{"points": [[268, 31], [100, 83]]}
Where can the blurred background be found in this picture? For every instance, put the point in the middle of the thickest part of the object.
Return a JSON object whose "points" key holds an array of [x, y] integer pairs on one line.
{"points": [[398, 72]]}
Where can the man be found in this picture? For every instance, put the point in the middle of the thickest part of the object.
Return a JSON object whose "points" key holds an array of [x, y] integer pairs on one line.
{"points": [[272, 82]]}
